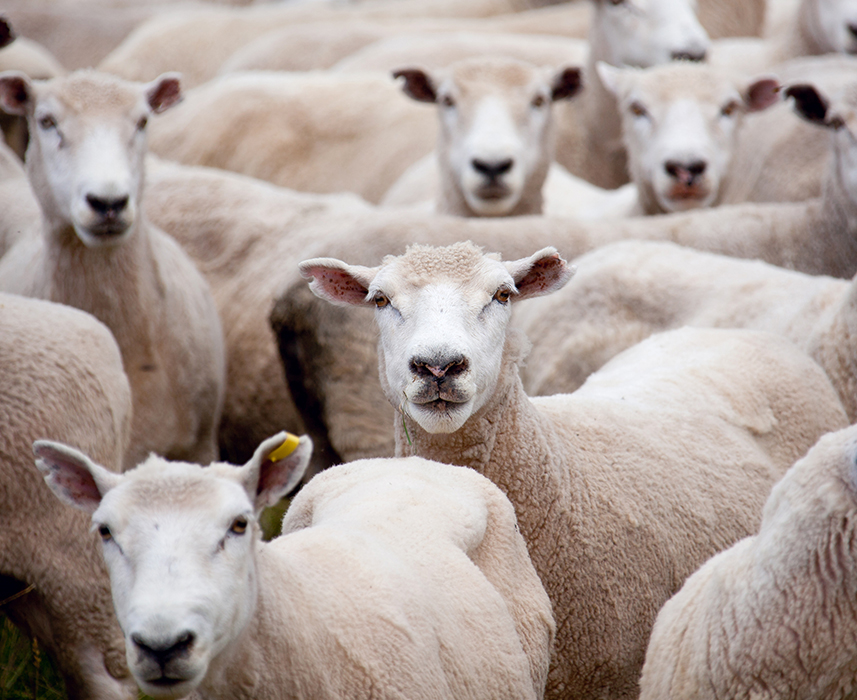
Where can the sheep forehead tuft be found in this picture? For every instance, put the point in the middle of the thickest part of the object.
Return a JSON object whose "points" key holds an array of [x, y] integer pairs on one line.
{"points": [[89, 91], [161, 485], [488, 74], [684, 79], [422, 265]]}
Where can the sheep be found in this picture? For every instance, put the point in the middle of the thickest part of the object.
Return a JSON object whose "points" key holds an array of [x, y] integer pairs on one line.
{"points": [[309, 131], [98, 253], [62, 376], [622, 33], [613, 485], [772, 616], [495, 135], [20, 211], [393, 578]]}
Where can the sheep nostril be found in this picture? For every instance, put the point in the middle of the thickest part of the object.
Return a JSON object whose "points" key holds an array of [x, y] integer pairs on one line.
{"points": [[107, 206], [439, 369], [685, 173], [492, 169]]}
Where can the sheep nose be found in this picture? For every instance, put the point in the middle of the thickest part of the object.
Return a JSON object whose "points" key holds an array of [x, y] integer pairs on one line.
{"points": [[107, 207], [447, 367], [164, 650], [697, 55], [492, 169], [685, 173]]}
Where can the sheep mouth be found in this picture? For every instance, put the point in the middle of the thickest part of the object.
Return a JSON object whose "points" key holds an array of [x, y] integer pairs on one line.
{"points": [[493, 191], [683, 193]]}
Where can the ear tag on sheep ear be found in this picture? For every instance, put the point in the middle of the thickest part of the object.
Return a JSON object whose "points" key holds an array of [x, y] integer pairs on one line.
{"points": [[290, 444]]}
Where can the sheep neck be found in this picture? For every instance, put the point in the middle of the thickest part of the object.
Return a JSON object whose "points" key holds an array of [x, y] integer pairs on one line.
{"points": [[117, 285], [603, 123]]}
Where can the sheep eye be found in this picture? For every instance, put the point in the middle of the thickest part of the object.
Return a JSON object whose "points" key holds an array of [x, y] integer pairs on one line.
{"points": [[142, 123], [617, 2], [729, 109], [836, 122], [637, 109], [538, 101], [239, 525], [380, 301], [47, 122], [502, 295], [447, 101], [104, 532]]}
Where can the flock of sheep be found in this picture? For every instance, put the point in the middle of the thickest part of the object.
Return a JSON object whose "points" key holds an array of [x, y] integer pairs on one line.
{"points": [[597, 440]]}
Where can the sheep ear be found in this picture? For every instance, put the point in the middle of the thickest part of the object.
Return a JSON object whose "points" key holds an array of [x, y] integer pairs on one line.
{"points": [[611, 76], [338, 282], [276, 468], [16, 93], [72, 476], [566, 84], [762, 93], [541, 273], [418, 84], [7, 34], [809, 103], [164, 92]]}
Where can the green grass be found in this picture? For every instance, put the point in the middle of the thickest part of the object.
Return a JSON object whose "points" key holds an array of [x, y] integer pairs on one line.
{"points": [[27, 672]]}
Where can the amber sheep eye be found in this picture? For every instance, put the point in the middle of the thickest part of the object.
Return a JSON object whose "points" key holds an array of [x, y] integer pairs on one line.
{"points": [[380, 301], [637, 109], [104, 531], [729, 109], [47, 122], [502, 295], [239, 525]]}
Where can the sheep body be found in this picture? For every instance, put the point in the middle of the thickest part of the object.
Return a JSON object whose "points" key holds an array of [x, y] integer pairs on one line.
{"points": [[772, 616], [624, 474], [61, 376], [398, 578], [309, 131], [626, 291]]}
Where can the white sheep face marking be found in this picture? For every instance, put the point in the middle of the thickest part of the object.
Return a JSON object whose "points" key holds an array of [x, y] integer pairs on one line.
{"points": [[496, 135], [182, 572], [179, 543], [833, 24], [87, 147], [678, 124], [442, 315], [646, 33]]}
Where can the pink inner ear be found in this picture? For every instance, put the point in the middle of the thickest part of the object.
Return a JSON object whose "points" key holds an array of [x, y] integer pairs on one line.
{"points": [[164, 95], [543, 276], [338, 284], [14, 95], [763, 93]]}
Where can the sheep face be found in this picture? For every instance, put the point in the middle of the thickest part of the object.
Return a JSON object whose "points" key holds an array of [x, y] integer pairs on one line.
{"points": [[179, 543], [678, 124], [87, 145], [832, 24], [496, 130], [647, 32], [442, 313]]}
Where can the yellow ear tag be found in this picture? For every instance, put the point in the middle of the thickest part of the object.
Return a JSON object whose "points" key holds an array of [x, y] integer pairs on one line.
{"points": [[290, 444]]}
